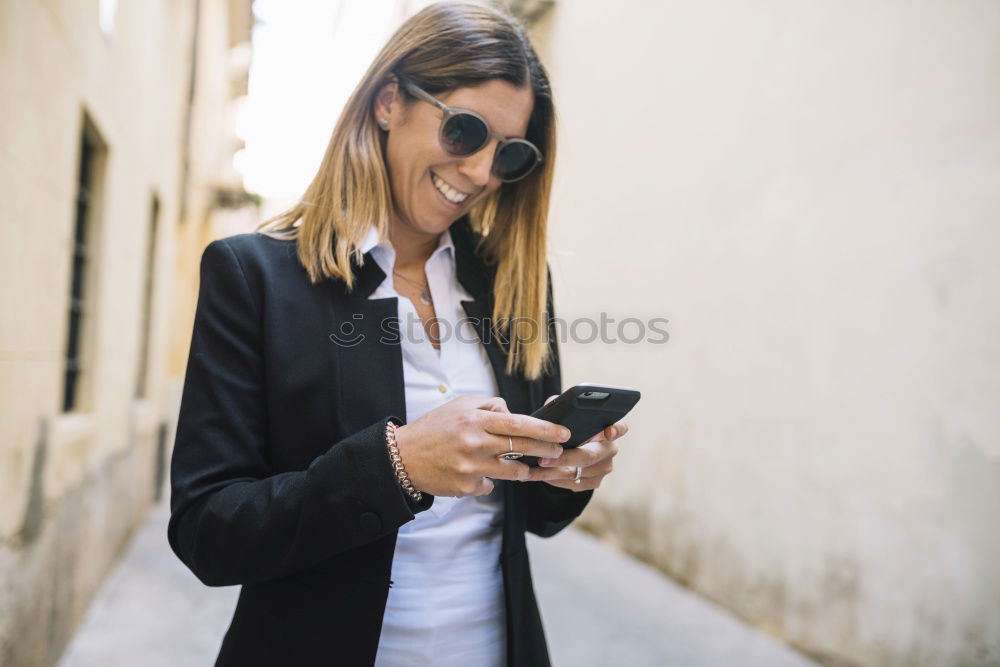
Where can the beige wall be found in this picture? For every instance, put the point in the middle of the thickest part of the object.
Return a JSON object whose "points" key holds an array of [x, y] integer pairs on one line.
{"points": [[809, 192], [73, 485], [223, 39]]}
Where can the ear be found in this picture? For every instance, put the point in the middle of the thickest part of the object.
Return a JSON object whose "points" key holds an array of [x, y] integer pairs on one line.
{"points": [[387, 101]]}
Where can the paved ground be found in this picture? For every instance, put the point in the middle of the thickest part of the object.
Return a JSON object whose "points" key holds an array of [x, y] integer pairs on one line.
{"points": [[599, 607]]}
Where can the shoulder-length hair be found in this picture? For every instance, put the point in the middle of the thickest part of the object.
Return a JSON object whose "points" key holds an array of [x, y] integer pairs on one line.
{"points": [[445, 46]]}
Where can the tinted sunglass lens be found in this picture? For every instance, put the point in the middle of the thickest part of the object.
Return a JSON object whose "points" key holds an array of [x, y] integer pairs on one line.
{"points": [[514, 161], [463, 134]]}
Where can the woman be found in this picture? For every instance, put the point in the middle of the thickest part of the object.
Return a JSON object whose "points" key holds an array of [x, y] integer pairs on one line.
{"points": [[355, 474]]}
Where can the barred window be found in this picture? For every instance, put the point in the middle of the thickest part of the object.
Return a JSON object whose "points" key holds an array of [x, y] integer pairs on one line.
{"points": [[92, 153]]}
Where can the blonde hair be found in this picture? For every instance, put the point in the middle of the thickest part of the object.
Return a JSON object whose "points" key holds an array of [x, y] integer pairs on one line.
{"points": [[445, 46]]}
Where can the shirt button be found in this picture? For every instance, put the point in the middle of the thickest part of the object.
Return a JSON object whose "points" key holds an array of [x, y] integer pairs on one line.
{"points": [[442, 388]]}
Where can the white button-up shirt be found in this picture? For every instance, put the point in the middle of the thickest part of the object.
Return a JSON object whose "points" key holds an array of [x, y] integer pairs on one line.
{"points": [[446, 602]]}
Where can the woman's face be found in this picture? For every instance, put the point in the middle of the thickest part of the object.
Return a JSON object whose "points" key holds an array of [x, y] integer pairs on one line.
{"points": [[417, 164]]}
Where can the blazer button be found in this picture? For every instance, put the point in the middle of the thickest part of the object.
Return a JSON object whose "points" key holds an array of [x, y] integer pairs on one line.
{"points": [[370, 523]]}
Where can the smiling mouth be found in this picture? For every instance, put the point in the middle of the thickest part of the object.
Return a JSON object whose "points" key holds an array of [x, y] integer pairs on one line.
{"points": [[450, 193]]}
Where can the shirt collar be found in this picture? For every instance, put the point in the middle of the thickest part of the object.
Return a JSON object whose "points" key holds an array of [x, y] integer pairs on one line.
{"points": [[385, 254], [471, 270], [371, 240]]}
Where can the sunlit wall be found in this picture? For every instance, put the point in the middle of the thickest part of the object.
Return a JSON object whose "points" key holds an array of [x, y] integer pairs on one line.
{"points": [[809, 192]]}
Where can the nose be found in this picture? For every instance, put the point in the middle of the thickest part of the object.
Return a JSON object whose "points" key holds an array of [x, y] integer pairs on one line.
{"points": [[479, 166]]}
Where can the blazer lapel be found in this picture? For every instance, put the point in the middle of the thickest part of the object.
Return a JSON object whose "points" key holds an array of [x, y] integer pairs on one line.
{"points": [[477, 278], [367, 350]]}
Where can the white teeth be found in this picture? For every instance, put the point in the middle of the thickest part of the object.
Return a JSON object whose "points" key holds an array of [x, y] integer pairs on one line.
{"points": [[449, 193]]}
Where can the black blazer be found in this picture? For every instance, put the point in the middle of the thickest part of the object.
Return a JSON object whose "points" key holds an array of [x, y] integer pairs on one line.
{"points": [[280, 477]]}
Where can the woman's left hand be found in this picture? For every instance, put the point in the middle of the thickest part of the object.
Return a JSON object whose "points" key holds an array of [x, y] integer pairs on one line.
{"points": [[594, 457]]}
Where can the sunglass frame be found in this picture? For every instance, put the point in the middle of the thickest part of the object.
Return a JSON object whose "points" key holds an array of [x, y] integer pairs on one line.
{"points": [[450, 112]]}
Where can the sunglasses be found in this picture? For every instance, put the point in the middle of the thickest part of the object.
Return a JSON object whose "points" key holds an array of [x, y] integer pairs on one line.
{"points": [[464, 132]]}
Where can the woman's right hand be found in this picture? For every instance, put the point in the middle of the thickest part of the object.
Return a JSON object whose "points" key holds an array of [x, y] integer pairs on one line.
{"points": [[452, 450]]}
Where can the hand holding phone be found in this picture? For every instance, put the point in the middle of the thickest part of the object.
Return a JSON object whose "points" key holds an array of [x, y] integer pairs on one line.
{"points": [[586, 409]]}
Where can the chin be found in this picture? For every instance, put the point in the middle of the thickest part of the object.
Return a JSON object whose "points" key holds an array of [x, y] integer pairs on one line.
{"points": [[441, 221], [434, 223]]}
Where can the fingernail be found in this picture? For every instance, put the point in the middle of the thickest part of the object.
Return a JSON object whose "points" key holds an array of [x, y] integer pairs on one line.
{"points": [[545, 462]]}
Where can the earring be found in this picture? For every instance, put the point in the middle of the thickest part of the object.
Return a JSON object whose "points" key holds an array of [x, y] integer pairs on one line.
{"points": [[383, 123]]}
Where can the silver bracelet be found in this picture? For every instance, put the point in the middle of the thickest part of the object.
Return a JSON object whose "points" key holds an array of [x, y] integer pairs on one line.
{"points": [[397, 462]]}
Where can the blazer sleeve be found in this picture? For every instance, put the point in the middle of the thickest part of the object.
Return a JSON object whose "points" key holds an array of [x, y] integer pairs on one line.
{"points": [[233, 520], [550, 508]]}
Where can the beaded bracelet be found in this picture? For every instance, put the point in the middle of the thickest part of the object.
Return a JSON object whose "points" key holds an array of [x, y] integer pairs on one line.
{"points": [[397, 462]]}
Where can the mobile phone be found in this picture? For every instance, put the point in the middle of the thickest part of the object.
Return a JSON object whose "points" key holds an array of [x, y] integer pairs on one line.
{"points": [[585, 409]]}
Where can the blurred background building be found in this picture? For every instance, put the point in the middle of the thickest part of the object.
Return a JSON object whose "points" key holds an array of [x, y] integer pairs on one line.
{"points": [[807, 192], [810, 193], [116, 145]]}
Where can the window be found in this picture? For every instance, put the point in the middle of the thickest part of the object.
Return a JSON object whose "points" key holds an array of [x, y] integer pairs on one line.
{"points": [[92, 154], [146, 313]]}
